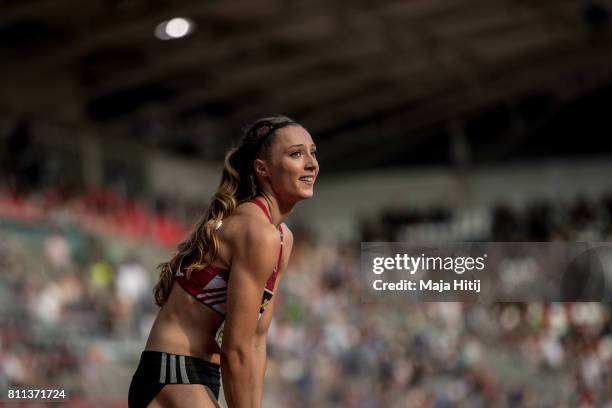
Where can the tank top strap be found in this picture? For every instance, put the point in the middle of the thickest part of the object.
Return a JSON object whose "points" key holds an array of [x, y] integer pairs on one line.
{"points": [[280, 230], [263, 208]]}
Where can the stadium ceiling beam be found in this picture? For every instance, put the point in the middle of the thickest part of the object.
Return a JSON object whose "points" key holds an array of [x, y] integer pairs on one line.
{"points": [[239, 81], [457, 103], [204, 52], [452, 55], [207, 54], [35, 9], [332, 111], [539, 66], [109, 33], [410, 88]]}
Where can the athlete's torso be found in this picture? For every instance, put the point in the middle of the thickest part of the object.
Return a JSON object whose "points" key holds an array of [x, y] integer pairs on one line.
{"points": [[209, 285], [190, 320]]}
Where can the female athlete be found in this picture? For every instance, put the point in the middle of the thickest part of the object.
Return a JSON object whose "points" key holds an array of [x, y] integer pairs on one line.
{"points": [[216, 293]]}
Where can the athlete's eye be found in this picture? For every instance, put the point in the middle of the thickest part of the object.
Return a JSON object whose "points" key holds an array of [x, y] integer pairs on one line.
{"points": [[296, 154], [313, 153]]}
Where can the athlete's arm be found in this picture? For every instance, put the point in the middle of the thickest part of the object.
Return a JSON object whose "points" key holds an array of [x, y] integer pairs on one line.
{"points": [[254, 253], [261, 333], [260, 354]]}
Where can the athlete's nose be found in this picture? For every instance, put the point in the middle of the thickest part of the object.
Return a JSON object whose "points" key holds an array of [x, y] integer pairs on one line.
{"points": [[311, 163]]}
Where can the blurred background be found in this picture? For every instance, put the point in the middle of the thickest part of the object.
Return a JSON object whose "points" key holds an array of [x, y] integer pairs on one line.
{"points": [[435, 120]]}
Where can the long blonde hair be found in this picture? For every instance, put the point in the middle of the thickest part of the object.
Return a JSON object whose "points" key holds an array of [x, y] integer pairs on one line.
{"points": [[237, 185]]}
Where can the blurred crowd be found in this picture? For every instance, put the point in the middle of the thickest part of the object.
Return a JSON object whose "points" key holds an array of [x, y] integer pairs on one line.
{"points": [[103, 211], [56, 312], [337, 350], [327, 348]]}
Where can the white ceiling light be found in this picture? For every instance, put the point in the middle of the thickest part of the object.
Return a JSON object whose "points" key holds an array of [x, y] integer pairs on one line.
{"points": [[177, 27]]}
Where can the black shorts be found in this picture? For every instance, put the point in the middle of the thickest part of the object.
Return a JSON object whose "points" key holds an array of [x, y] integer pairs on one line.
{"points": [[157, 369]]}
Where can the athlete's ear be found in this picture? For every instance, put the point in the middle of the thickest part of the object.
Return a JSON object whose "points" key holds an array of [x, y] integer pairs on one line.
{"points": [[260, 167]]}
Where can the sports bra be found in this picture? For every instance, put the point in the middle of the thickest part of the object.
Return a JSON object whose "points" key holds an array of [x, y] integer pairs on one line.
{"points": [[209, 285]]}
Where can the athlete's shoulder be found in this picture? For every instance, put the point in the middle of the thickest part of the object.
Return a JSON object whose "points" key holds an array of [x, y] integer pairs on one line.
{"points": [[254, 246], [257, 229], [249, 226]]}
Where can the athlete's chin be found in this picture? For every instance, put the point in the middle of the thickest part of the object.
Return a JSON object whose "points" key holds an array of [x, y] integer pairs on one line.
{"points": [[307, 196], [304, 194], [307, 192]]}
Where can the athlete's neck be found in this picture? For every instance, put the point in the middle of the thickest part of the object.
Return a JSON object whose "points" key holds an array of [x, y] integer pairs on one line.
{"points": [[279, 211]]}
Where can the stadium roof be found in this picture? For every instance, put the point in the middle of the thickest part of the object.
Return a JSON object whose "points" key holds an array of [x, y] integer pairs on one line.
{"points": [[377, 82]]}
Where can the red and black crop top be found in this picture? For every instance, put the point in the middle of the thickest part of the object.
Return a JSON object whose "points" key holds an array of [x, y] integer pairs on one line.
{"points": [[209, 285]]}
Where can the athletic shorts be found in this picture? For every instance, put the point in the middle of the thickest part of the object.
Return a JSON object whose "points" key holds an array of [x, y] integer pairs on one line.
{"points": [[157, 369]]}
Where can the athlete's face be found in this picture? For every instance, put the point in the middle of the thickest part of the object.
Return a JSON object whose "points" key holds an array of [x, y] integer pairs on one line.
{"points": [[292, 165]]}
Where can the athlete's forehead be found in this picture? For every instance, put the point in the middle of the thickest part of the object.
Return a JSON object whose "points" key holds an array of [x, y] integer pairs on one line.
{"points": [[293, 135]]}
